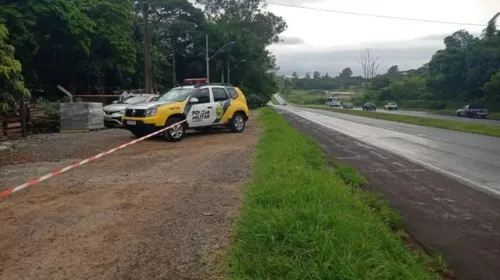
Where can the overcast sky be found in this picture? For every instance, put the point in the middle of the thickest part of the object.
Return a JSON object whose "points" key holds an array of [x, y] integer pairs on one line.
{"points": [[329, 42]]}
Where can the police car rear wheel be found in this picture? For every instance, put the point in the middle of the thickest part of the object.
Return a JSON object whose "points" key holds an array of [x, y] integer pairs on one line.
{"points": [[176, 133], [237, 123]]}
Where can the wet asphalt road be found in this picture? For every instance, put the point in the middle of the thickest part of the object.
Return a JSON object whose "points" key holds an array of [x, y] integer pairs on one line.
{"points": [[425, 115], [469, 158], [438, 116]]}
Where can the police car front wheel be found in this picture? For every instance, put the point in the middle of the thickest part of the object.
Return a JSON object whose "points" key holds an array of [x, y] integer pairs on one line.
{"points": [[176, 132]]}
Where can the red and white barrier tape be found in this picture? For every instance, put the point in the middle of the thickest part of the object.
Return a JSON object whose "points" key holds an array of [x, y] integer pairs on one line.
{"points": [[74, 165]]}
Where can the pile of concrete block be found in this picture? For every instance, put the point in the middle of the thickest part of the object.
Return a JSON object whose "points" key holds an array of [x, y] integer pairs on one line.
{"points": [[81, 116]]}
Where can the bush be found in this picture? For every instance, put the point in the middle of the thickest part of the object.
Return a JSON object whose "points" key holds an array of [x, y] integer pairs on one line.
{"points": [[254, 101]]}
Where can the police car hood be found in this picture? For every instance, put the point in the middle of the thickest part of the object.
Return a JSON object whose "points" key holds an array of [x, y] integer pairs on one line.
{"points": [[144, 106]]}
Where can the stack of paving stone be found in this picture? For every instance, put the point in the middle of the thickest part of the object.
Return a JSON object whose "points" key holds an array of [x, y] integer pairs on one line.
{"points": [[81, 116]]}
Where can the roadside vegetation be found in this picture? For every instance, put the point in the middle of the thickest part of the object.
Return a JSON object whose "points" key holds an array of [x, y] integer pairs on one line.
{"points": [[90, 51], [457, 125], [465, 72], [305, 219]]}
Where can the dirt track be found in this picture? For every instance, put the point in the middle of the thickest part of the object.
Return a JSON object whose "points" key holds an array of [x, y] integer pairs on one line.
{"points": [[155, 210]]}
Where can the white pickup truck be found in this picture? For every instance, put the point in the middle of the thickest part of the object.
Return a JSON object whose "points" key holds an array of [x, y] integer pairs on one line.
{"points": [[391, 106]]}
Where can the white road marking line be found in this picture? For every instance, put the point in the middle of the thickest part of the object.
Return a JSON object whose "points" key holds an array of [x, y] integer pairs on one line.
{"points": [[427, 136], [397, 163], [379, 155]]}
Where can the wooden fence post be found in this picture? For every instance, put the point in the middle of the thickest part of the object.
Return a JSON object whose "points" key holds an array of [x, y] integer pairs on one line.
{"points": [[22, 113]]}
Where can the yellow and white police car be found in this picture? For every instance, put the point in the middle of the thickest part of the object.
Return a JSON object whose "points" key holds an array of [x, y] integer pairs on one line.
{"points": [[201, 104]]}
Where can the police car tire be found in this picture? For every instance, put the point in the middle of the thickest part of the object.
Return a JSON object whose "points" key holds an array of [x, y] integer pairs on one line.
{"points": [[166, 133], [232, 125]]}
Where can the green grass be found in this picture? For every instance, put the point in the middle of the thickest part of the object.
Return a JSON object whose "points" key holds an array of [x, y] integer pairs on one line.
{"points": [[303, 219], [446, 124], [302, 97]]}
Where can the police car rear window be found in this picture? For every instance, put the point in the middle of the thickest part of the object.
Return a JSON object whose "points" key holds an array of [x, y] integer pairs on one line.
{"points": [[232, 93]]}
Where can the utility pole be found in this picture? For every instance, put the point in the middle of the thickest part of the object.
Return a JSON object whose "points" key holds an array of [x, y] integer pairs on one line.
{"points": [[222, 72], [148, 83], [229, 69], [207, 58], [174, 78], [228, 72]]}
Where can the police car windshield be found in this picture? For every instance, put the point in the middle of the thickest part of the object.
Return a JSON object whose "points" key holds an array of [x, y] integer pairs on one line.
{"points": [[176, 94]]}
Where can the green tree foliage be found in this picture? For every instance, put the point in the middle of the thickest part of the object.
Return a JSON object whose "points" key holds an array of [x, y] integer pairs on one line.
{"points": [[344, 80], [393, 71], [346, 73], [460, 71], [11, 80], [98, 44], [464, 72], [492, 90]]}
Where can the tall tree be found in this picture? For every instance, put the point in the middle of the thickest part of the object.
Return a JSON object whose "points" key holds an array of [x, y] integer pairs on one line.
{"points": [[369, 62], [393, 71], [346, 73], [11, 79]]}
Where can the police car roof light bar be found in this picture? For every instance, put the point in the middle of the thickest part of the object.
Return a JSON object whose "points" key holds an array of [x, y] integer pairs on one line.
{"points": [[195, 81]]}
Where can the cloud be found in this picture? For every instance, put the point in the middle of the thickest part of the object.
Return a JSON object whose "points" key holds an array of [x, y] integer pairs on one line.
{"points": [[286, 40], [334, 61]]}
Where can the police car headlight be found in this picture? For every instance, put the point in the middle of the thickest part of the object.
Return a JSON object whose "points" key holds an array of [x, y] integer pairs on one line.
{"points": [[151, 112]]}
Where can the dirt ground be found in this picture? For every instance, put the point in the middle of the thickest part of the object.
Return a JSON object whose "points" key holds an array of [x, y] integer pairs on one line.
{"points": [[154, 210], [443, 215]]}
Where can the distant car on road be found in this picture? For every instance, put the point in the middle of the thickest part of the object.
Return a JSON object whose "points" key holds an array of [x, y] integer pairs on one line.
{"points": [[472, 111], [348, 106], [284, 104], [369, 107], [391, 106]]}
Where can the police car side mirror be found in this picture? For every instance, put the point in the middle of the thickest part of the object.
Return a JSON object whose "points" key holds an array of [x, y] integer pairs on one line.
{"points": [[194, 100]]}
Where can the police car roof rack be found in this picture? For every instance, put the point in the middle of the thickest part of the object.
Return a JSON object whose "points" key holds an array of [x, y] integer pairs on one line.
{"points": [[200, 85], [221, 84]]}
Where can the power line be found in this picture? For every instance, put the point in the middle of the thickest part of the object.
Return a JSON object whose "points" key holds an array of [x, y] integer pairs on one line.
{"points": [[376, 16]]}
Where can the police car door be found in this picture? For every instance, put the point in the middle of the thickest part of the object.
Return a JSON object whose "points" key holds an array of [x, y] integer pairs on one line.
{"points": [[202, 113]]}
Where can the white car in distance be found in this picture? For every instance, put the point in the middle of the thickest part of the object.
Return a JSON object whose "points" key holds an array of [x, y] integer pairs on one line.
{"points": [[113, 113]]}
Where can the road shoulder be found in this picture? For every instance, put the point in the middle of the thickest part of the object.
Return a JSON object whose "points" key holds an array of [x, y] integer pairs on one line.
{"points": [[443, 215]]}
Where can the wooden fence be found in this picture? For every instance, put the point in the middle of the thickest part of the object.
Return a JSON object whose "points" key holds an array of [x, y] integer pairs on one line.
{"points": [[11, 123], [37, 121]]}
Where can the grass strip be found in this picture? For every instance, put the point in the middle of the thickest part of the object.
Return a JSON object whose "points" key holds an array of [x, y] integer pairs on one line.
{"points": [[482, 129], [301, 220]]}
